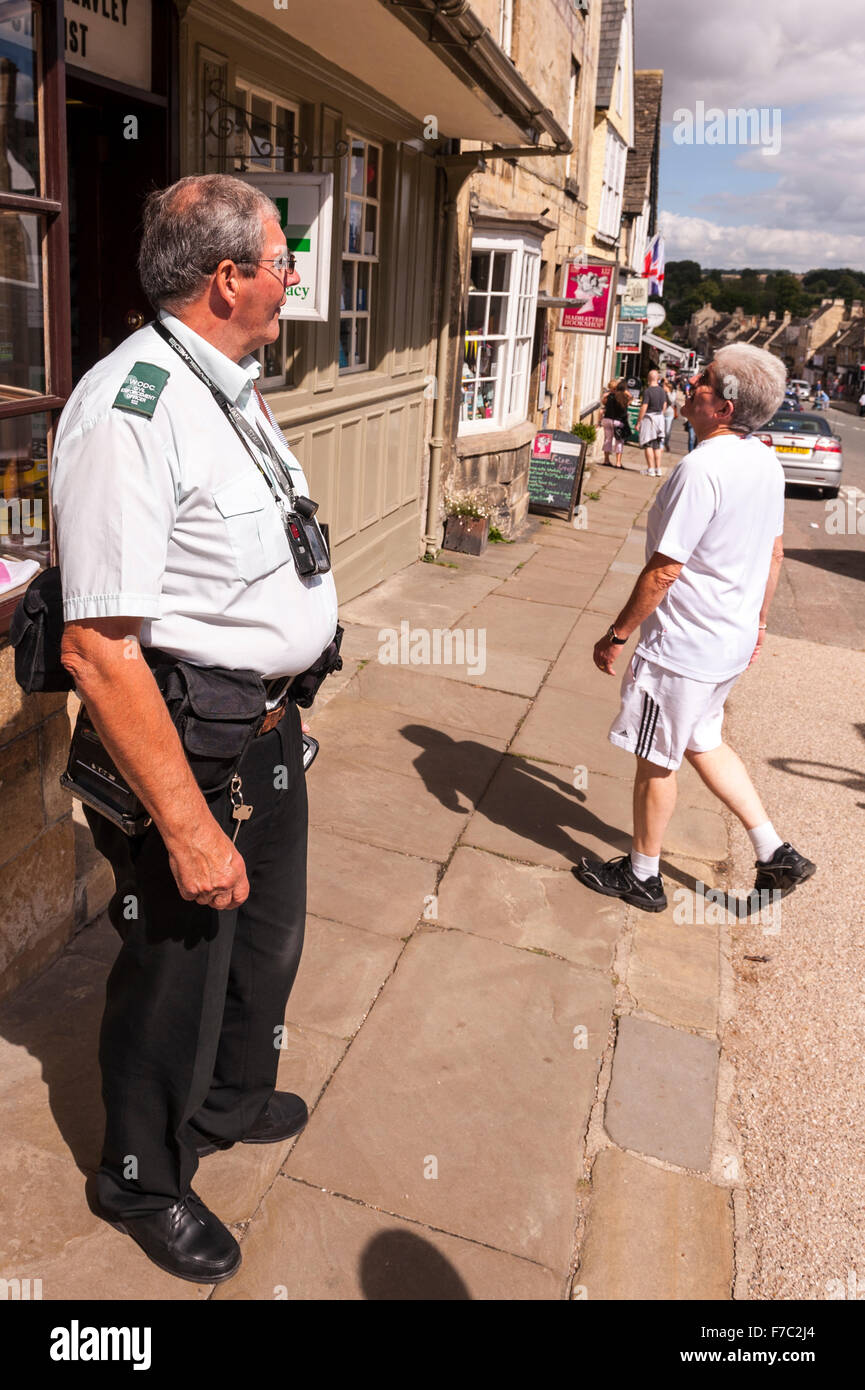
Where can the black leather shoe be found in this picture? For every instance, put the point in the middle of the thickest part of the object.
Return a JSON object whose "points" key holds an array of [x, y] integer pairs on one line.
{"points": [[186, 1240], [284, 1116]]}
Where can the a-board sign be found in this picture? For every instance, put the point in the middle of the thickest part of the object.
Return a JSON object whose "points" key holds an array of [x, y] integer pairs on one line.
{"points": [[556, 472]]}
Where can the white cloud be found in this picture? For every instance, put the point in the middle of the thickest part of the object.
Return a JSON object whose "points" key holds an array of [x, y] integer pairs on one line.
{"points": [[791, 248]]}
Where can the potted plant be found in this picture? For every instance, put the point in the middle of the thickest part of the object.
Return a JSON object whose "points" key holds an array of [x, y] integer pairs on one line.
{"points": [[467, 521]]}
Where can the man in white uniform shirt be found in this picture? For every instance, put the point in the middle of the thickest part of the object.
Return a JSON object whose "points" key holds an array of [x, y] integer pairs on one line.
{"points": [[171, 534], [713, 554]]}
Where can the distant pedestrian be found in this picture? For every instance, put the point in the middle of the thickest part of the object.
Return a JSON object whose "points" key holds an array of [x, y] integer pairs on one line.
{"points": [[862, 404], [713, 556], [652, 424], [615, 422], [671, 410]]}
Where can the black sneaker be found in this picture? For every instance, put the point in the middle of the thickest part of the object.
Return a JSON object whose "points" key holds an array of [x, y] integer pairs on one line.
{"points": [[616, 879], [784, 871]]}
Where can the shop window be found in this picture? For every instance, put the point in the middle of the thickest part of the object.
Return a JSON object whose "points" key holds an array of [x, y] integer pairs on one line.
{"points": [[34, 288], [360, 247], [265, 137], [500, 318]]}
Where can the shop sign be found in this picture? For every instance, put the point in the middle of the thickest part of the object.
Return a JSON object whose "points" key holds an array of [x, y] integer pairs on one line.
{"points": [[635, 299], [305, 203], [111, 38], [592, 289], [629, 337]]}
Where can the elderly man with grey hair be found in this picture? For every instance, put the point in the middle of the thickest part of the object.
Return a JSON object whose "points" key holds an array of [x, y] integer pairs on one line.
{"points": [[174, 493], [713, 555]]}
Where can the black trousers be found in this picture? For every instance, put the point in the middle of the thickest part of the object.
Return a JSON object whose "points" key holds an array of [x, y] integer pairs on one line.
{"points": [[196, 998]]}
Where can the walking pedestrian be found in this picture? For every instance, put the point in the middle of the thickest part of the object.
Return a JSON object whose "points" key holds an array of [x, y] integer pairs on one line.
{"points": [[615, 421], [651, 423], [713, 554], [173, 491], [671, 410], [862, 404]]}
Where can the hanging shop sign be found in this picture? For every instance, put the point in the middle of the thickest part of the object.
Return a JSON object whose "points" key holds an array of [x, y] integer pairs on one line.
{"points": [[592, 290], [629, 337], [305, 203], [110, 37], [635, 299]]}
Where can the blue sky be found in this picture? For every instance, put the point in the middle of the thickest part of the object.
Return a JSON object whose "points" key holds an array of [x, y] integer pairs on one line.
{"points": [[736, 204]]}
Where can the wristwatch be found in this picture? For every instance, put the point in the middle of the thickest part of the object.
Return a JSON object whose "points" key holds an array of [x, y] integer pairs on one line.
{"points": [[611, 637]]}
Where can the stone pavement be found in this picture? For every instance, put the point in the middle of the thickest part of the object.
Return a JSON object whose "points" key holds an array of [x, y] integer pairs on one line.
{"points": [[515, 1084]]}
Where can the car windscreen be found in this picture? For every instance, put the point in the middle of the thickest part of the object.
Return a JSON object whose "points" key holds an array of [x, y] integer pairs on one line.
{"points": [[797, 424]]}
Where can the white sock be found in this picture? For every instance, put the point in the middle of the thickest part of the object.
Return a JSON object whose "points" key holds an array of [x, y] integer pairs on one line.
{"points": [[765, 840], [644, 865]]}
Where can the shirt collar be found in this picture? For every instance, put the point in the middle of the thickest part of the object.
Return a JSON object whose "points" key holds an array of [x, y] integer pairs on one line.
{"points": [[234, 379]]}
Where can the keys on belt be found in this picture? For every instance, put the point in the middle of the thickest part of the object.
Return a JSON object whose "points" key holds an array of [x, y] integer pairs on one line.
{"points": [[277, 703]]}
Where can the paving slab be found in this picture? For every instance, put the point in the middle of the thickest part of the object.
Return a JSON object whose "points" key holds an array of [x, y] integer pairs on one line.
{"points": [[576, 671], [231, 1181], [576, 559], [386, 809], [674, 971], [581, 541], [611, 595], [341, 971], [437, 700], [445, 756], [366, 886], [536, 908], [661, 1099], [510, 672], [533, 813], [569, 591], [424, 594], [467, 1058], [103, 1265], [526, 628], [653, 1234], [309, 1245]]}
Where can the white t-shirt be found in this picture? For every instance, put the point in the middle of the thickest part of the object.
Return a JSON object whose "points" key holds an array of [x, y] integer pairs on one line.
{"points": [[718, 513], [163, 515]]}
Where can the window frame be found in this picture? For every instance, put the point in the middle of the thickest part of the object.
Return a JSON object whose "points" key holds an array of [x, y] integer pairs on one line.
{"points": [[522, 295], [612, 184], [506, 26], [50, 206], [359, 258], [249, 88]]}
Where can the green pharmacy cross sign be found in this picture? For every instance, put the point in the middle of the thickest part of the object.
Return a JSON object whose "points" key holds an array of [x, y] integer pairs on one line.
{"points": [[305, 203]]}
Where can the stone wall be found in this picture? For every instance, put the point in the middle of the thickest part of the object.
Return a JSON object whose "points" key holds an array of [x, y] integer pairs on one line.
{"points": [[37, 849]]}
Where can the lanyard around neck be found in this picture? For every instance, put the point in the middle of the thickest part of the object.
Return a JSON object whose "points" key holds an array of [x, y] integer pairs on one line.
{"points": [[247, 435]]}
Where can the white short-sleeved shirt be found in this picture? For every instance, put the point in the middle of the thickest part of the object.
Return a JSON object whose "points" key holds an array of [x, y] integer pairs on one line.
{"points": [[166, 516], [718, 513]]}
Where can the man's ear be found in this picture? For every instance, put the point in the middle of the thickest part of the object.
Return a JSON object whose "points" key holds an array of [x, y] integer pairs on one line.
{"points": [[226, 282]]}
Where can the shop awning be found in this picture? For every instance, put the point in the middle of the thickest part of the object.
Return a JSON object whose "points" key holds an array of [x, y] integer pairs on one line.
{"points": [[672, 349], [423, 61]]}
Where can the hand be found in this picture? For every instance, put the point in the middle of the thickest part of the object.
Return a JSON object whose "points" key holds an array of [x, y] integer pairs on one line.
{"points": [[604, 655], [756, 652], [207, 868]]}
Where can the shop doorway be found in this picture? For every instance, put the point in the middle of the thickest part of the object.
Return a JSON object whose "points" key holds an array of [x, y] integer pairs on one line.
{"points": [[117, 152]]}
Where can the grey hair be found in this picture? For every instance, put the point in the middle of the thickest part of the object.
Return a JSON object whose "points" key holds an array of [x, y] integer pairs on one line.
{"points": [[754, 380], [194, 224]]}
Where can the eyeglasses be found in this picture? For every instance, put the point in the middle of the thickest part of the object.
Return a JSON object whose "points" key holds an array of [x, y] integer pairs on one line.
{"points": [[280, 263]]}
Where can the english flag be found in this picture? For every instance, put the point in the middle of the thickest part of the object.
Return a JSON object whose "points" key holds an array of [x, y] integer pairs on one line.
{"points": [[653, 265]]}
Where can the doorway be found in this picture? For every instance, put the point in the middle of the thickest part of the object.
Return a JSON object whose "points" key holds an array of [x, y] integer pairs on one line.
{"points": [[117, 152]]}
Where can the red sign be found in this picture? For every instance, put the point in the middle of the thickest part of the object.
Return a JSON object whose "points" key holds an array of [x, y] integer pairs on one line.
{"points": [[592, 287]]}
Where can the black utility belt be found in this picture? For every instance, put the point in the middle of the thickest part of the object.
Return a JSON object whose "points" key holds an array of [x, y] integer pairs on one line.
{"points": [[216, 713]]}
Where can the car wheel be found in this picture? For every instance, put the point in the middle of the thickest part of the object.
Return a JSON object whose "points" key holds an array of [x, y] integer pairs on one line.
{"points": [[830, 492]]}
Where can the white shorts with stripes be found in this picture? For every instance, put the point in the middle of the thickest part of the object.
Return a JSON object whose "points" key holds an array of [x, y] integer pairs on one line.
{"points": [[663, 713]]}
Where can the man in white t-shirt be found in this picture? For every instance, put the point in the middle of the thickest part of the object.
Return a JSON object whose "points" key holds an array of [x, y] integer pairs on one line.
{"points": [[713, 555]]}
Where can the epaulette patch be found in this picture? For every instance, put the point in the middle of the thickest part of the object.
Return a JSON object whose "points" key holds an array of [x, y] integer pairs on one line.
{"points": [[141, 389]]}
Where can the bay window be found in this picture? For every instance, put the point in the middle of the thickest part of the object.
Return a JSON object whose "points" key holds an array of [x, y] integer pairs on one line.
{"points": [[500, 319]]}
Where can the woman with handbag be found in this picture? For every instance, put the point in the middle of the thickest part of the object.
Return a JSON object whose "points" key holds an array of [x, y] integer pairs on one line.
{"points": [[615, 421]]}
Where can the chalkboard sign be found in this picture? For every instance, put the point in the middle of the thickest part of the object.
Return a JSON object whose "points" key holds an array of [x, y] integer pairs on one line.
{"points": [[556, 472]]}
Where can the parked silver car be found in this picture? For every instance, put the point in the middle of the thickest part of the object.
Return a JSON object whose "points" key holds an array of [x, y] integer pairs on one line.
{"points": [[806, 448]]}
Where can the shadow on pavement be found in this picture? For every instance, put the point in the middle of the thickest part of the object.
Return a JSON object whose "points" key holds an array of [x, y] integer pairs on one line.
{"points": [[849, 563], [399, 1266]]}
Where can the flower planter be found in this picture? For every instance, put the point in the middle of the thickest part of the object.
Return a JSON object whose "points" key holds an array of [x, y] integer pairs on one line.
{"points": [[468, 534]]}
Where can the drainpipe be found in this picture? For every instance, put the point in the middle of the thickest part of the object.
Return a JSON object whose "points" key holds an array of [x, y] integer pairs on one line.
{"points": [[455, 175]]}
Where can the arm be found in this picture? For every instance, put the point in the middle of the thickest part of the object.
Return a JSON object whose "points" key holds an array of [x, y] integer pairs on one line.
{"points": [[771, 585], [657, 577], [129, 714], [643, 408]]}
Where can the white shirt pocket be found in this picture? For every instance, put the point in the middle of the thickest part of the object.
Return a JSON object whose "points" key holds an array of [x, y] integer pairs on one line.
{"points": [[254, 526]]}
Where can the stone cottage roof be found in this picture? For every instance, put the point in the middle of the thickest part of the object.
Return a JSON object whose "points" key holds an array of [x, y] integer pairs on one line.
{"points": [[612, 14], [641, 171]]}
